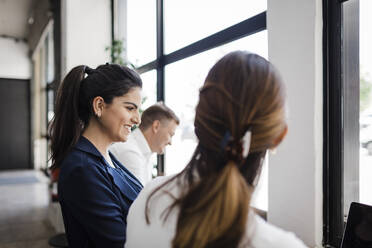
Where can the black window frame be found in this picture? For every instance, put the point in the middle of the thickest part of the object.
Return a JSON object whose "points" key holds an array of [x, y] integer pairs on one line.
{"points": [[337, 150]]}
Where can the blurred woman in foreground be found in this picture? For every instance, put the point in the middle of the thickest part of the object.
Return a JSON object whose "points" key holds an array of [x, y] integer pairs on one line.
{"points": [[240, 115]]}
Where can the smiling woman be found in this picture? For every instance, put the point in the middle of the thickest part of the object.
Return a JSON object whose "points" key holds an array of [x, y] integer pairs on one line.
{"points": [[116, 119], [94, 108]]}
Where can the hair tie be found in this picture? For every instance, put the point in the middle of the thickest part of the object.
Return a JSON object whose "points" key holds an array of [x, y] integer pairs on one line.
{"points": [[231, 149], [225, 140], [236, 150]]}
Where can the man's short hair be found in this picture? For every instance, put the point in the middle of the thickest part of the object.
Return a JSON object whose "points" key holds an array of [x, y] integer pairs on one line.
{"points": [[158, 112]]}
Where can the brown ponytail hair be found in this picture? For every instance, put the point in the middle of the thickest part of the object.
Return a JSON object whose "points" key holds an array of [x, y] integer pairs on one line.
{"points": [[242, 92], [74, 102]]}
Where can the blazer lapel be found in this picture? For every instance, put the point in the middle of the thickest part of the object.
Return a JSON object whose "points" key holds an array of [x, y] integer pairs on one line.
{"points": [[129, 189], [128, 184]]}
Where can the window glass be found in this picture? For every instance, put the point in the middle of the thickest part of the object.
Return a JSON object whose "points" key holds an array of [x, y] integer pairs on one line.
{"points": [[141, 32], [148, 99], [186, 22], [182, 82], [148, 89], [365, 119], [357, 85]]}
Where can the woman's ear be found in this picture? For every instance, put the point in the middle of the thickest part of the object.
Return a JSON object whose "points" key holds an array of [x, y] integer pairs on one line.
{"points": [[280, 138], [98, 105]]}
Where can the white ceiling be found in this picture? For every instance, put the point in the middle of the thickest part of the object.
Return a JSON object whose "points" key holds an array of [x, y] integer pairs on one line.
{"points": [[14, 15]]}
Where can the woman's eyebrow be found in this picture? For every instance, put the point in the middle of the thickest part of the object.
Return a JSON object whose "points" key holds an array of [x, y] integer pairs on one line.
{"points": [[131, 103]]}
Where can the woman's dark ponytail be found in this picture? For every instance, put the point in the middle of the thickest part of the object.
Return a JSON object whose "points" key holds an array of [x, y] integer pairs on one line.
{"points": [[66, 126]]}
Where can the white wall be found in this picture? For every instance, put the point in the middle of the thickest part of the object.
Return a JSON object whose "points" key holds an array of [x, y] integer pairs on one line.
{"points": [[295, 174], [86, 27], [14, 59]]}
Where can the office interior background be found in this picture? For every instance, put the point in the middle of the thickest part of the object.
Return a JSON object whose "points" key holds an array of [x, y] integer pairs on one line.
{"points": [[321, 47]]}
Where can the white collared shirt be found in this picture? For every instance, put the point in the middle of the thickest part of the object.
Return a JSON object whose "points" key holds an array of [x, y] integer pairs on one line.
{"points": [[135, 155], [160, 233]]}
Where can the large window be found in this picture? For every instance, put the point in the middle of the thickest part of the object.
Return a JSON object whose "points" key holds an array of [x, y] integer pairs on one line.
{"points": [[174, 61]]}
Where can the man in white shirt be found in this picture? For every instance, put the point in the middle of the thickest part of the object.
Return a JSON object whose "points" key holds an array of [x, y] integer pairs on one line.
{"points": [[158, 125]]}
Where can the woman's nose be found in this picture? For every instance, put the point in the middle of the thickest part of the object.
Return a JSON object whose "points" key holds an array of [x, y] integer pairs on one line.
{"points": [[136, 119]]}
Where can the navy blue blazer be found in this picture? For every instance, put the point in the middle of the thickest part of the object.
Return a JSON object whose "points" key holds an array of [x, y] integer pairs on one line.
{"points": [[95, 197]]}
